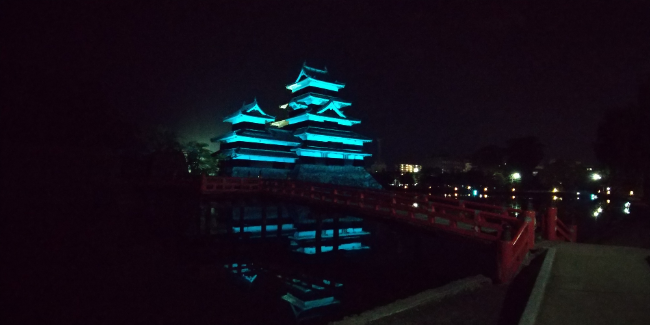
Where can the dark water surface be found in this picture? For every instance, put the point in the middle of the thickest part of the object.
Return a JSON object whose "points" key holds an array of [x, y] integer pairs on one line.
{"points": [[123, 254], [362, 262]]}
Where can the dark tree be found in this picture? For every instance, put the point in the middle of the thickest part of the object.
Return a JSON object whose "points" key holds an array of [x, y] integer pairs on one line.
{"points": [[489, 158], [524, 154], [623, 140], [200, 159]]}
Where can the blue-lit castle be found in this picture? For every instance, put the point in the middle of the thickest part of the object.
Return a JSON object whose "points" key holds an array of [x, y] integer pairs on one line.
{"points": [[314, 143]]}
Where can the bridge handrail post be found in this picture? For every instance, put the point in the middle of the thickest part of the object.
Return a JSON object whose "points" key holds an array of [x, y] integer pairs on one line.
{"points": [[551, 223], [204, 182], [530, 220], [504, 261], [574, 233]]}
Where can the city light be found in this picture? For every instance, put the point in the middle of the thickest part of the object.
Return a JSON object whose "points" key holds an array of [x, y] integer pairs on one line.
{"points": [[475, 192], [631, 193], [415, 204], [515, 176], [455, 188], [598, 211], [626, 208], [555, 190], [596, 176], [485, 189], [513, 189], [594, 197]]}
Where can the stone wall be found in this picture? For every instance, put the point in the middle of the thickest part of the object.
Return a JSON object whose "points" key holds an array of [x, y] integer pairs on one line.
{"points": [[272, 173], [341, 175]]}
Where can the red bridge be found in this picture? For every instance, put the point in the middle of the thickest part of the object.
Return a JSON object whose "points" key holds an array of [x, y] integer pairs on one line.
{"points": [[511, 230]]}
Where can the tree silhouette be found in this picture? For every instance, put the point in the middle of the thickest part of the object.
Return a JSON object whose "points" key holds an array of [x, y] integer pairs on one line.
{"points": [[524, 154], [623, 140]]}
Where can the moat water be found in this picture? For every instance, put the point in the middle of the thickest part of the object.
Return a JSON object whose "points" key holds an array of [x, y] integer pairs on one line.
{"points": [[284, 262]]}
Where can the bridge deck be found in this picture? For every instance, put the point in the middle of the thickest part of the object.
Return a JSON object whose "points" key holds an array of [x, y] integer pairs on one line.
{"points": [[597, 284]]}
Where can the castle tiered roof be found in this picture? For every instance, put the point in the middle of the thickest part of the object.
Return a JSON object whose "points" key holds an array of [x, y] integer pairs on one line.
{"points": [[312, 77], [249, 113], [268, 136]]}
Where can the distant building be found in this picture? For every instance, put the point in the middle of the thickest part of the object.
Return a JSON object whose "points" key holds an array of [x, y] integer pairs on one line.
{"points": [[448, 164], [410, 168]]}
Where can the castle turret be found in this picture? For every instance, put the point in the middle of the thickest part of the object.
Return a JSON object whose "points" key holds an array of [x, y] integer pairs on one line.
{"points": [[252, 145]]}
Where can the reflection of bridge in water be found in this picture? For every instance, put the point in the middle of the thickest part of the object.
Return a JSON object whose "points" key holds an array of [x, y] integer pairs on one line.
{"points": [[511, 237]]}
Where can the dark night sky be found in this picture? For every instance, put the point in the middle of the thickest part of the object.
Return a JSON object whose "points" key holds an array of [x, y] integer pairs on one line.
{"points": [[427, 77]]}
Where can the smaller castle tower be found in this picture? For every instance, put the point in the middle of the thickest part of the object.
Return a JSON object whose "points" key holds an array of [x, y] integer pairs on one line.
{"points": [[252, 147]]}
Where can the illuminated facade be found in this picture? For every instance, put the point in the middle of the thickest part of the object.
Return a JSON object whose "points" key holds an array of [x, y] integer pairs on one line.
{"points": [[409, 168], [317, 117], [314, 143], [251, 145]]}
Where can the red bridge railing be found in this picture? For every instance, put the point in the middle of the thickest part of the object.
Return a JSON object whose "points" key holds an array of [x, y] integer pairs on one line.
{"points": [[555, 229], [513, 236]]}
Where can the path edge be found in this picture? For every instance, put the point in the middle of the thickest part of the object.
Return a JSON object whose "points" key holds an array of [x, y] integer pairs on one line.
{"points": [[529, 317]]}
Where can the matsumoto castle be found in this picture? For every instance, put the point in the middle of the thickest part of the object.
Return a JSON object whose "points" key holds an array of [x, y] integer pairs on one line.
{"points": [[315, 143]]}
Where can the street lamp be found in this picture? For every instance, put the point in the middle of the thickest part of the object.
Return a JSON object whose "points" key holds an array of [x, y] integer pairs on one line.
{"points": [[596, 177], [515, 176]]}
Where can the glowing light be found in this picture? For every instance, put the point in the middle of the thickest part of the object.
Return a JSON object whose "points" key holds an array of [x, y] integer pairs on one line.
{"points": [[455, 188], [469, 187], [577, 193], [455, 194], [596, 176], [608, 188], [283, 106], [480, 196], [429, 187], [626, 208], [555, 198], [515, 176], [631, 193], [486, 196], [598, 211], [415, 170], [555, 190], [594, 197], [513, 189], [485, 189], [415, 204], [608, 201], [513, 197], [608, 192], [475, 192]]}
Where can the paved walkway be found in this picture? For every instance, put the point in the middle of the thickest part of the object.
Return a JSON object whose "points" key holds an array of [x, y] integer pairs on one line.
{"points": [[597, 284]]}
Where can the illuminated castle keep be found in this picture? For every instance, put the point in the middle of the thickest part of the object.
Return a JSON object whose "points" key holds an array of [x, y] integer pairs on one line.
{"points": [[315, 143]]}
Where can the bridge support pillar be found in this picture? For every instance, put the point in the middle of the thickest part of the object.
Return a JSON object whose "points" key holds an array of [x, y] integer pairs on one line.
{"points": [[279, 214], [551, 223], [504, 261], [264, 221], [530, 220], [319, 233]]}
